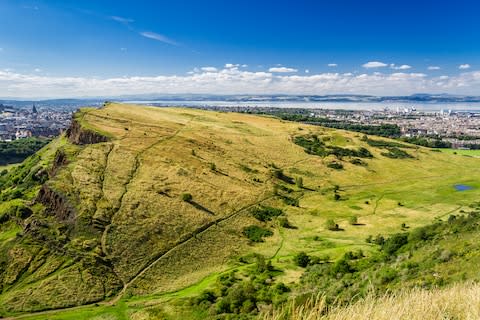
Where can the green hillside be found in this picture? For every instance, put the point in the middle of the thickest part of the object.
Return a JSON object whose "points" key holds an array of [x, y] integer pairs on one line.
{"points": [[143, 212]]}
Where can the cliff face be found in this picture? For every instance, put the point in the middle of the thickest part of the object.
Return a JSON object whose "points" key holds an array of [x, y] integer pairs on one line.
{"points": [[59, 161], [56, 204], [79, 135]]}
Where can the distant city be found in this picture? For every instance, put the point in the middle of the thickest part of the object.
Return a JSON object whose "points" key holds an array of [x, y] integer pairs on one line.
{"points": [[460, 128]]}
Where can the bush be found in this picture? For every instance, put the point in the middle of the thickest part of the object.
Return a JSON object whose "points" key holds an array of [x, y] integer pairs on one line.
{"points": [[301, 259], [335, 165], [263, 214], [187, 197], [256, 233], [394, 243], [299, 182], [331, 225], [284, 223], [353, 220]]}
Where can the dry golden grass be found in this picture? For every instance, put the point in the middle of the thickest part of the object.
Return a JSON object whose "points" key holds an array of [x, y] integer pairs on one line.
{"points": [[133, 184], [461, 301]]}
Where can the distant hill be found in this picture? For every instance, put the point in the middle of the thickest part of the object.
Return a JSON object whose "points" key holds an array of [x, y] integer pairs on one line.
{"points": [[345, 98], [143, 213]]}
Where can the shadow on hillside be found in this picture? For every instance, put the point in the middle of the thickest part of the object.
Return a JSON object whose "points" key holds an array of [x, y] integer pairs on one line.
{"points": [[200, 207]]}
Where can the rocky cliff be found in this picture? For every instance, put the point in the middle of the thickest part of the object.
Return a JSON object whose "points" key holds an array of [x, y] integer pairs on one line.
{"points": [[80, 135]]}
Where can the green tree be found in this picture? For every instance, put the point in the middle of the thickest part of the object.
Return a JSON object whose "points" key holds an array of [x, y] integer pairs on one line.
{"points": [[302, 259]]}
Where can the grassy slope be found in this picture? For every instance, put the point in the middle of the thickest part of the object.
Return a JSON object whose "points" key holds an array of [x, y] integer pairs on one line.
{"points": [[460, 301], [132, 185], [471, 153]]}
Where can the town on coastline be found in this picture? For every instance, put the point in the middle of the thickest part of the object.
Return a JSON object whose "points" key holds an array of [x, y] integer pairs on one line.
{"points": [[454, 129]]}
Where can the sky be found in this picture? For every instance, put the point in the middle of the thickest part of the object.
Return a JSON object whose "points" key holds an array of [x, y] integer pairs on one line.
{"points": [[60, 49]]}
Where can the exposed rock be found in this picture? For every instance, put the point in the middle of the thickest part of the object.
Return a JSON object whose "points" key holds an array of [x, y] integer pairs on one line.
{"points": [[59, 161], [80, 135], [57, 204]]}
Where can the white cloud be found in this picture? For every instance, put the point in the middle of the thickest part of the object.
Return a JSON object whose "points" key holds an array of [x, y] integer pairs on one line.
{"points": [[282, 70], [209, 69], [374, 64], [433, 68], [158, 37], [37, 70], [464, 66], [307, 71], [231, 65], [236, 81], [332, 65], [402, 67], [122, 19]]}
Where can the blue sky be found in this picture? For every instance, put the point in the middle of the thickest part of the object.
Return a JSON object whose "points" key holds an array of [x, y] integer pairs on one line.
{"points": [[79, 48]]}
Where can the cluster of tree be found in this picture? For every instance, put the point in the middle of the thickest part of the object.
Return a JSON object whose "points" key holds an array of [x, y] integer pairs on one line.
{"points": [[384, 130], [18, 150], [396, 153], [402, 259], [313, 145], [427, 142], [242, 294]]}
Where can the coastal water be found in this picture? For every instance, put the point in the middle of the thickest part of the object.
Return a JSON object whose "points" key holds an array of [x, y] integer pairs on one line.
{"points": [[419, 106]]}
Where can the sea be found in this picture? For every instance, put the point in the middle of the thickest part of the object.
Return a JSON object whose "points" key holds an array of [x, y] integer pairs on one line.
{"points": [[473, 107]]}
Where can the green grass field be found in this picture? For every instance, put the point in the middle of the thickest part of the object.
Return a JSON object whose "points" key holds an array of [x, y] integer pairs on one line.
{"points": [[472, 153], [163, 249]]}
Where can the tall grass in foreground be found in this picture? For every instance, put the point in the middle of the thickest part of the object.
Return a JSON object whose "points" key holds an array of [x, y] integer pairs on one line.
{"points": [[461, 301]]}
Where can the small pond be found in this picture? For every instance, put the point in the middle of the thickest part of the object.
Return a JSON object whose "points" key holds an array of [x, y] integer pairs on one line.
{"points": [[462, 187]]}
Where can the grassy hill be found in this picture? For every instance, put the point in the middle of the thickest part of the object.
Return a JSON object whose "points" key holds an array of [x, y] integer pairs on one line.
{"points": [[140, 206]]}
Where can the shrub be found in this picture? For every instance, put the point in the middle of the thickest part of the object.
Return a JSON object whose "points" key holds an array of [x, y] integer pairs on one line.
{"points": [[263, 214], [213, 166], [256, 233], [394, 243], [187, 197], [284, 223], [353, 220], [335, 165], [331, 225], [299, 182], [301, 259]]}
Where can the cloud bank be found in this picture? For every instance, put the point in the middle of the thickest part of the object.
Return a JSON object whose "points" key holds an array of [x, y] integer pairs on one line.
{"points": [[374, 64], [282, 70], [232, 80]]}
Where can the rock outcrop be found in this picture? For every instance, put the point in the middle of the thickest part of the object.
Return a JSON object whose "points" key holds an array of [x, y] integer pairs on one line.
{"points": [[56, 204], [80, 135]]}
